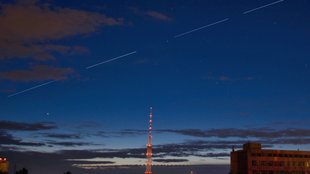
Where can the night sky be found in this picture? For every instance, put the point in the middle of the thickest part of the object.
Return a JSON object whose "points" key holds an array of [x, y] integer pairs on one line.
{"points": [[77, 79]]}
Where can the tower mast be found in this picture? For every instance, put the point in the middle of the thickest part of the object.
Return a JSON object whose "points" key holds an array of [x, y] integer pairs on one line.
{"points": [[148, 169]]}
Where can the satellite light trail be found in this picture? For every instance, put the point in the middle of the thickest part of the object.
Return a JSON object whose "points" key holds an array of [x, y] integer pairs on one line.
{"points": [[110, 60], [134, 52], [264, 6], [200, 28], [32, 88], [52, 81]]}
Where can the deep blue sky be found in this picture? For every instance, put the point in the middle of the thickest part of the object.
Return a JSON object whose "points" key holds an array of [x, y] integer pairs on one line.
{"points": [[244, 79]]}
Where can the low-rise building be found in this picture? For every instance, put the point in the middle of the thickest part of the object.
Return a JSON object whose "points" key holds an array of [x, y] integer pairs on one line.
{"points": [[4, 166], [252, 159]]}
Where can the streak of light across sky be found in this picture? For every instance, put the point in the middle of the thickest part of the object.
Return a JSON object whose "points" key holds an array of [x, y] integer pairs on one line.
{"points": [[264, 6], [110, 60], [32, 88], [200, 28]]}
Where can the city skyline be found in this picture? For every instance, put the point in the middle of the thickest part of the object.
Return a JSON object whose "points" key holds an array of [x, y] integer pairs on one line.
{"points": [[77, 80]]}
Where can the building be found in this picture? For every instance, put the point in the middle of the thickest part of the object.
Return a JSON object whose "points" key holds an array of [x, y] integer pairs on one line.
{"points": [[252, 159], [4, 166]]}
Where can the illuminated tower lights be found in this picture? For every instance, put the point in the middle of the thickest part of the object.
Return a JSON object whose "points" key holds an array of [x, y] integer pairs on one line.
{"points": [[148, 169]]}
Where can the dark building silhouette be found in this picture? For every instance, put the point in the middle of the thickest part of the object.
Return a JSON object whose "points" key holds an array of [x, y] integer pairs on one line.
{"points": [[22, 171], [252, 159]]}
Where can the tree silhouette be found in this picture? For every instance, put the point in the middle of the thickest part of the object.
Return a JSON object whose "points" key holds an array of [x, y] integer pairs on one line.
{"points": [[22, 171]]}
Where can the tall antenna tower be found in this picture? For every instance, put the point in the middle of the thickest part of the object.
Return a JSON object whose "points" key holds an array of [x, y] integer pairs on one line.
{"points": [[148, 169]]}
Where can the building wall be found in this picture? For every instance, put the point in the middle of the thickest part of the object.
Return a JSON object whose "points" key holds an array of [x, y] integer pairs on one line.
{"points": [[4, 167], [258, 161], [239, 162], [272, 161]]}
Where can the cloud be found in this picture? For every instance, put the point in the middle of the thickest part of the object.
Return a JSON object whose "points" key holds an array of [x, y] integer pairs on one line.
{"points": [[70, 144], [37, 73], [151, 13], [60, 164], [8, 139], [215, 155], [290, 141], [122, 133], [211, 146], [87, 161], [21, 126], [62, 136], [170, 160], [189, 132], [190, 148], [194, 148], [4, 147], [158, 15], [36, 51], [92, 164], [242, 133], [102, 158], [132, 132], [28, 29], [39, 161], [267, 136]]}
